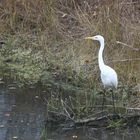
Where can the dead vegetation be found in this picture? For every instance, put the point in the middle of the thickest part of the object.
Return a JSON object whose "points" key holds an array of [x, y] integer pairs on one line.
{"points": [[58, 28]]}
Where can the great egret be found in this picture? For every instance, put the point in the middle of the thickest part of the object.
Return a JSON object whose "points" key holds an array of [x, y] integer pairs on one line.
{"points": [[108, 75]]}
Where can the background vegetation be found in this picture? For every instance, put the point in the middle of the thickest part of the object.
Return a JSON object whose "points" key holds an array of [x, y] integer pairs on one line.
{"points": [[43, 41]]}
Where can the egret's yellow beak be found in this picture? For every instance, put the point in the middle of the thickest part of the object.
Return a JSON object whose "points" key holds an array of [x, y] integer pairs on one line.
{"points": [[91, 38]]}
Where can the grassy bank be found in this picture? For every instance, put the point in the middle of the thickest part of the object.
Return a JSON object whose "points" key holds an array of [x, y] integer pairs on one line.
{"points": [[43, 43]]}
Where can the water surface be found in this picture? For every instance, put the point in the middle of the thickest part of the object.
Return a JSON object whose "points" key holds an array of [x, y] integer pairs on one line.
{"points": [[22, 114]]}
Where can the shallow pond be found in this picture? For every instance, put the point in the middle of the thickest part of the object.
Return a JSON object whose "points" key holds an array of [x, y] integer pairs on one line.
{"points": [[23, 115], [96, 134]]}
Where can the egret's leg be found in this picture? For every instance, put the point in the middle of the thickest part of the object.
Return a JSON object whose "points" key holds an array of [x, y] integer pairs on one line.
{"points": [[113, 101], [103, 102]]}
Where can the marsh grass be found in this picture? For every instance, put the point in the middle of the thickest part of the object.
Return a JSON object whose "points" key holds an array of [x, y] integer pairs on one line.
{"points": [[44, 42]]}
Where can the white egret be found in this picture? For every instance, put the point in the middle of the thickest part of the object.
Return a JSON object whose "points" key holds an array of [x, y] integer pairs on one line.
{"points": [[108, 75]]}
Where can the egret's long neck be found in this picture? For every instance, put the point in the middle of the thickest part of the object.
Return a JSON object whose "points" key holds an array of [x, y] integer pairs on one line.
{"points": [[100, 55]]}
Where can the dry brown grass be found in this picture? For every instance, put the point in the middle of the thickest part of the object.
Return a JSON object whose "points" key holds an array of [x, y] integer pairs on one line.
{"points": [[60, 26]]}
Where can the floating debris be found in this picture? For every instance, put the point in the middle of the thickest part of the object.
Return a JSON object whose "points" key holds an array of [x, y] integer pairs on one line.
{"points": [[36, 97], [1, 126], [7, 114], [15, 137], [74, 137], [12, 88]]}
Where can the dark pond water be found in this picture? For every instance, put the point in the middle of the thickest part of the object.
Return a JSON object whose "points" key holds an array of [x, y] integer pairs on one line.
{"points": [[96, 134], [23, 113]]}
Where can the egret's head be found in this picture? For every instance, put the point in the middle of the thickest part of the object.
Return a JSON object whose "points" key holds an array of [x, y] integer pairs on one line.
{"points": [[97, 37]]}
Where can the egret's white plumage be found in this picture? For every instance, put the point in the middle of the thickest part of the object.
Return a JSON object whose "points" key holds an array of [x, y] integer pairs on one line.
{"points": [[108, 75]]}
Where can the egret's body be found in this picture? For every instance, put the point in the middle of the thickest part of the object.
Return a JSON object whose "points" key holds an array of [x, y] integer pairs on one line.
{"points": [[108, 75]]}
